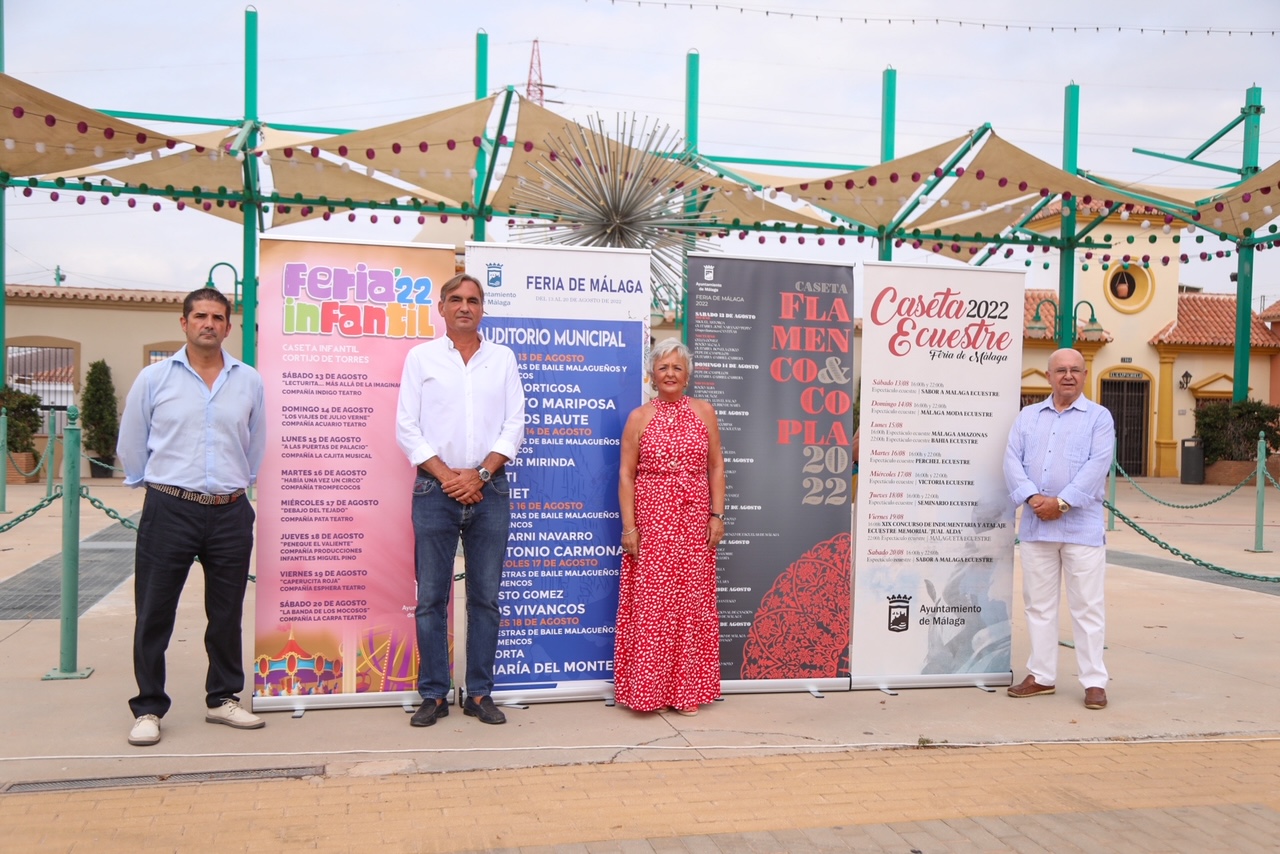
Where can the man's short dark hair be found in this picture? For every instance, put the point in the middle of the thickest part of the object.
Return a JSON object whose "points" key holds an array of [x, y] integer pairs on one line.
{"points": [[456, 282], [212, 294]]}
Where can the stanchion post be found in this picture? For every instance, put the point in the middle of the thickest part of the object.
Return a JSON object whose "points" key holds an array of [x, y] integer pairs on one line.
{"points": [[1258, 525], [47, 462], [70, 554], [1111, 493], [4, 460]]}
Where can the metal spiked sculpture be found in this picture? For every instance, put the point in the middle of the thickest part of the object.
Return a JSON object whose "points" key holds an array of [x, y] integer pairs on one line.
{"points": [[636, 190]]}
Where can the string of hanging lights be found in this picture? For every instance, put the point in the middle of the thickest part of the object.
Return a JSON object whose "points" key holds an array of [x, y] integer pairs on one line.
{"points": [[958, 23]]}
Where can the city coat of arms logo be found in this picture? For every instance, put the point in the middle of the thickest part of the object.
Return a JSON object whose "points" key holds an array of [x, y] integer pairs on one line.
{"points": [[493, 277], [899, 613]]}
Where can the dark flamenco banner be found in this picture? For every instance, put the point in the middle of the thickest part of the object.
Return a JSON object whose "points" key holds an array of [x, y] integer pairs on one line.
{"points": [[773, 348]]}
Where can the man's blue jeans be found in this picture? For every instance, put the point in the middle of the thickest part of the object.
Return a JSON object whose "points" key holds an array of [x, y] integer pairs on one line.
{"points": [[438, 521]]}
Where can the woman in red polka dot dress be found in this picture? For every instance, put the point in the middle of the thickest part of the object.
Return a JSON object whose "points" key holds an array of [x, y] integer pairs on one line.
{"points": [[671, 491]]}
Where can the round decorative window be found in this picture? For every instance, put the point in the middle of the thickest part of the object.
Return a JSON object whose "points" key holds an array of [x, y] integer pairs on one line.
{"points": [[1129, 290]]}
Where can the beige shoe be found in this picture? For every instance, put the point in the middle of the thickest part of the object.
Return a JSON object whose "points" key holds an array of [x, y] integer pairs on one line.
{"points": [[231, 714], [146, 731]]}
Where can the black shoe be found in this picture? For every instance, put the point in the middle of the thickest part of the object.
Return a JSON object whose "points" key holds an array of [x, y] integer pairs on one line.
{"points": [[484, 709], [428, 713]]}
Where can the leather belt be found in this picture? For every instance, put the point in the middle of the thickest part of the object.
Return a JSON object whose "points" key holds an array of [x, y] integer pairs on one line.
{"points": [[197, 497]]}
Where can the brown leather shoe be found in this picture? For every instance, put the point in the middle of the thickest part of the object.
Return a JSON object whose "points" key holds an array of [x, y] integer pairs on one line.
{"points": [[1095, 698], [1029, 687]]}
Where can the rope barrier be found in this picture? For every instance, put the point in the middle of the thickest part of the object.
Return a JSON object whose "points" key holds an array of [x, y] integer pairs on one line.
{"points": [[35, 471], [94, 461], [128, 523], [1179, 553], [1228, 494], [27, 514]]}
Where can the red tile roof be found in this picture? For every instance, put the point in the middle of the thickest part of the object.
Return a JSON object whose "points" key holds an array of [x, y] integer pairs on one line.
{"points": [[136, 297], [1271, 313], [1209, 320]]}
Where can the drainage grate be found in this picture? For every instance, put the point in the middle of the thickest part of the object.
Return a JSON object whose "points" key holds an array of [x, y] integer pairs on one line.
{"points": [[166, 779], [106, 560]]}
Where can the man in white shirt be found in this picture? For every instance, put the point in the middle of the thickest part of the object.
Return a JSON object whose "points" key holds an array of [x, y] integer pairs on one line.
{"points": [[460, 419], [1056, 463]]}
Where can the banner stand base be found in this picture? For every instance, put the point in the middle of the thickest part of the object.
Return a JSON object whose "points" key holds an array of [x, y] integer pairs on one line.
{"points": [[890, 684]]}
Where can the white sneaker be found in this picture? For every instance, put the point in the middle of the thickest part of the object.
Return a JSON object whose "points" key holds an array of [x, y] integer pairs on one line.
{"points": [[231, 714], [146, 731]]}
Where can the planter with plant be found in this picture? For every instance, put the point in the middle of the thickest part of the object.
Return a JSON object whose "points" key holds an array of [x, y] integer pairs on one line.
{"points": [[23, 418], [1230, 436], [99, 416]]}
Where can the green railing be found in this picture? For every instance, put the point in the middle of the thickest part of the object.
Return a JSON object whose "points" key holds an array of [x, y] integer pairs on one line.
{"points": [[1260, 476]]}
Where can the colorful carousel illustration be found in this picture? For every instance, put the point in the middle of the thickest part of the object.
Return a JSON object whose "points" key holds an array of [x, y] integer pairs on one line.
{"points": [[294, 672]]}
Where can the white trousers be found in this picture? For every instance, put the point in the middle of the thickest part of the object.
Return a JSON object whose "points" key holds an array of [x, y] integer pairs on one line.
{"points": [[1044, 567]]}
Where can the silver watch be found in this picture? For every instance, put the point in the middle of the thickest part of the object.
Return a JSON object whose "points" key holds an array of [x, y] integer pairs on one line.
{"points": [[484, 473]]}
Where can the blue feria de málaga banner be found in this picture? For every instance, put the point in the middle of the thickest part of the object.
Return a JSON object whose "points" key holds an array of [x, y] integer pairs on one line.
{"points": [[578, 322], [773, 350]]}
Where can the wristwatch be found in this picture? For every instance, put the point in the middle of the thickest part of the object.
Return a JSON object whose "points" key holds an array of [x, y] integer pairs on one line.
{"points": [[719, 516], [484, 473], [1063, 506]]}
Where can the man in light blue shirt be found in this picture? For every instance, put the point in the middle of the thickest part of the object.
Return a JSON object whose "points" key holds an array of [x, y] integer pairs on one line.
{"points": [[1056, 464], [193, 434]]}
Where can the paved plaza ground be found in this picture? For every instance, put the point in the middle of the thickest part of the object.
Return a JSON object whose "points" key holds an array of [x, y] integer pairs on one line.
{"points": [[1185, 758]]}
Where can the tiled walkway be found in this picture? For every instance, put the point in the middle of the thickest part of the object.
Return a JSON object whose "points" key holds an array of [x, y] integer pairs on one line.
{"points": [[1176, 797]]}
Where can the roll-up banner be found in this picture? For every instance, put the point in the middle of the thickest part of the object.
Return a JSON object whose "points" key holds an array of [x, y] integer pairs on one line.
{"points": [[773, 351], [578, 321], [335, 576], [942, 367]]}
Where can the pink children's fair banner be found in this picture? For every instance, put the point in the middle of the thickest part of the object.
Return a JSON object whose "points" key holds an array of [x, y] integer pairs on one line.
{"points": [[335, 589]]}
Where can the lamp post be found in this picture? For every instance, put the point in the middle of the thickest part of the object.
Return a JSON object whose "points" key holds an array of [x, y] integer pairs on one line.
{"points": [[236, 283], [1065, 333]]}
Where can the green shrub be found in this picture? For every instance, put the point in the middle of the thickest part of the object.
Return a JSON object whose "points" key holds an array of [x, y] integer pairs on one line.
{"points": [[24, 419], [1230, 431], [99, 412]]}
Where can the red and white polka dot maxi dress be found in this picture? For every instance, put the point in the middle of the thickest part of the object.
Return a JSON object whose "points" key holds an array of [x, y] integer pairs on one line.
{"points": [[667, 647]]}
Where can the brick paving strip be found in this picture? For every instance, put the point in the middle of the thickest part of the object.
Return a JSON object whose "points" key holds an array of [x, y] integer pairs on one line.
{"points": [[1178, 796]]}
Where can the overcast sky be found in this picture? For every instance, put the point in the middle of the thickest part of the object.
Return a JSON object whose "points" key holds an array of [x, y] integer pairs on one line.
{"points": [[797, 83]]}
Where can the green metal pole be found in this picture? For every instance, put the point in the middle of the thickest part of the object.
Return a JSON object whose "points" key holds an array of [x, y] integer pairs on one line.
{"points": [[1244, 254], [888, 113], [1259, 522], [4, 241], [249, 350], [4, 458], [692, 84], [50, 447], [1111, 494], [67, 668], [482, 91], [1067, 254], [888, 131], [482, 64], [692, 81]]}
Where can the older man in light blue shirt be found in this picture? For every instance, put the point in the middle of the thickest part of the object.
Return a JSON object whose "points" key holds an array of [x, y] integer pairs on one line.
{"points": [[193, 434], [1056, 464]]}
